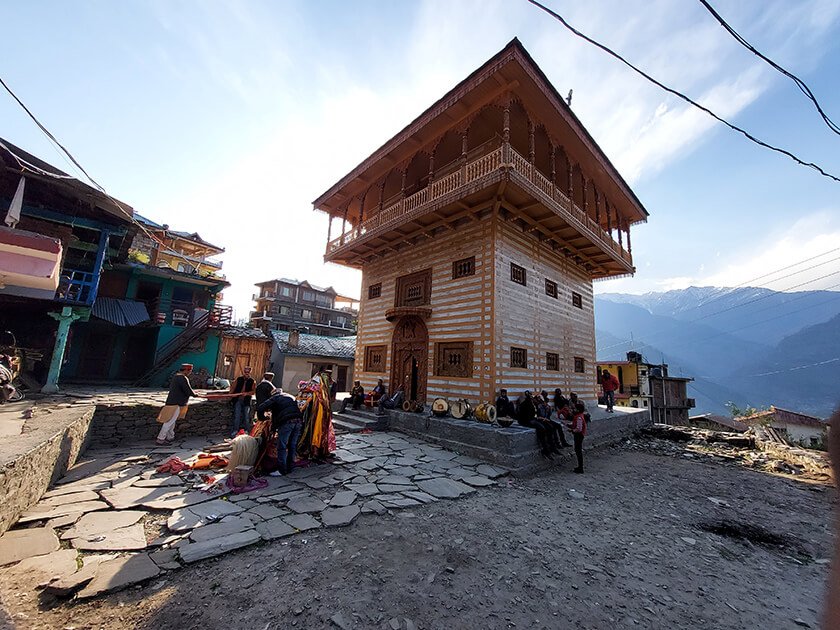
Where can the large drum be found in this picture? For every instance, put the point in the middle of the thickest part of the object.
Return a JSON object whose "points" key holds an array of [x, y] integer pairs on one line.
{"points": [[460, 409], [440, 407], [485, 412]]}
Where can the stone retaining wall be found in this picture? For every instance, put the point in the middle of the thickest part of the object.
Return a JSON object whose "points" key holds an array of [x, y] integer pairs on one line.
{"points": [[114, 423], [26, 477], [514, 448]]}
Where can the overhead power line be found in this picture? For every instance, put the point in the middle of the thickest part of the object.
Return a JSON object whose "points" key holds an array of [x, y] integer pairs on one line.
{"points": [[682, 96], [28, 166], [799, 82]]}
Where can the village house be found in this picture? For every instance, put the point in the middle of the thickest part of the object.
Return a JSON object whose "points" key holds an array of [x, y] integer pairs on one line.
{"points": [[187, 252], [243, 347], [57, 236], [298, 356], [479, 230], [794, 427], [648, 386], [285, 304]]}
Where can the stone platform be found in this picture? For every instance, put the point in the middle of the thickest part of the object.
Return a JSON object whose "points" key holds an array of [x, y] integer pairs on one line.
{"points": [[514, 448]]}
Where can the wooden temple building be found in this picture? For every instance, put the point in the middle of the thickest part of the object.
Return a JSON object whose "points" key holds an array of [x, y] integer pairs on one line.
{"points": [[479, 229]]}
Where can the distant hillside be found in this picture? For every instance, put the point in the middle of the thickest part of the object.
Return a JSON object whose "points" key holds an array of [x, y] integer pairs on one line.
{"points": [[729, 339], [753, 314]]}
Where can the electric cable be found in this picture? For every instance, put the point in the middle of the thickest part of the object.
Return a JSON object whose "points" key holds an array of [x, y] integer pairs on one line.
{"points": [[799, 82], [682, 96]]}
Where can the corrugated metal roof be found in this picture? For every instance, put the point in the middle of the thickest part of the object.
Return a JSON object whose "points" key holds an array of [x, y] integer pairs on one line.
{"points": [[120, 312], [317, 345]]}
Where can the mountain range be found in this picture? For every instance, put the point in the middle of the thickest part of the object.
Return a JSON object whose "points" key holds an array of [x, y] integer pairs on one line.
{"points": [[746, 345]]}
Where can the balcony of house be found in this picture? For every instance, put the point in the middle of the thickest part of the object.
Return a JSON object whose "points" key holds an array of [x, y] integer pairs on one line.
{"points": [[169, 312], [462, 189]]}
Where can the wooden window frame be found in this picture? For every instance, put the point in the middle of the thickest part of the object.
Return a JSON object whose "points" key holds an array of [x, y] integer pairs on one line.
{"points": [[375, 291], [371, 353], [577, 300], [421, 281], [515, 361], [580, 365], [552, 361], [516, 271], [445, 352], [551, 288], [463, 268]]}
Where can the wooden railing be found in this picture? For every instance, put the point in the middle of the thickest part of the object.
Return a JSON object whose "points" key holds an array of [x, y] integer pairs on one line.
{"points": [[502, 157]]}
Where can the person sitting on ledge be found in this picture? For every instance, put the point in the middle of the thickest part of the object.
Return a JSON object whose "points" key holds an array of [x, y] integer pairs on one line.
{"points": [[504, 407], [372, 399], [356, 397], [527, 416], [394, 402]]}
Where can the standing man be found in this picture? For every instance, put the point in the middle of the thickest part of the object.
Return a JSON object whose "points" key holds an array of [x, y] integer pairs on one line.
{"points": [[176, 404], [610, 384], [578, 428], [243, 387], [287, 420], [265, 390]]}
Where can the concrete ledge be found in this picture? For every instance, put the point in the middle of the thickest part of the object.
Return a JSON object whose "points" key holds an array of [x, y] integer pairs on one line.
{"points": [[50, 443], [514, 448]]}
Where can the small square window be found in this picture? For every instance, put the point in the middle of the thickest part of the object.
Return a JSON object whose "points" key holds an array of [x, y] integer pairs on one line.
{"points": [[375, 290], [518, 358], [454, 359], [550, 288], [577, 300], [464, 267], [552, 361], [580, 365], [518, 275], [375, 359], [306, 314]]}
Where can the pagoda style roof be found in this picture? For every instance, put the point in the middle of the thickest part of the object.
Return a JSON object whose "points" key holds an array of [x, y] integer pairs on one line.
{"points": [[511, 71]]}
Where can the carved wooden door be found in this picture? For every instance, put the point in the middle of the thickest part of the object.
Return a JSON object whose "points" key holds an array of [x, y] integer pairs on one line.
{"points": [[410, 358]]}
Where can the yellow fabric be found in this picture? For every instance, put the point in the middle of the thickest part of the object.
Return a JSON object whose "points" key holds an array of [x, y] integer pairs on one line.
{"points": [[165, 414]]}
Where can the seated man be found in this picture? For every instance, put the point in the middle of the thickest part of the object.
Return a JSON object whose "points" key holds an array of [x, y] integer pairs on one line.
{"points": [[394, 402], [378, 392], [504, 408], [356, 398]]}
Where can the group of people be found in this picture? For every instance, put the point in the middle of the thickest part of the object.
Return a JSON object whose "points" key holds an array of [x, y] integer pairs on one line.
{"points": [[547, 417]]}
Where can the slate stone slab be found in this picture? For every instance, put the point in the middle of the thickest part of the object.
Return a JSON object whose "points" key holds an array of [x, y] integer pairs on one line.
{"points": [[266, 511], [230, 525], [159, 482], [75, 497], [217, 546], [419, 496], [303, 505], [466, 460], [339, 517], [364, 489], [348, 456], [19, 544], [98, 522], [384, 487], [490, 471], [125, 498], [443, 488], [132, 538], [343, 498], [302, 522], [374, 507], [402, 503], [166, 559], [196, 515], [178, 500], [69, 584], [460, 472], [64, 521], [116, 574], [59, 563], [275, 528], [479, 481], [396, 480], [74, 488], [50, 512]]}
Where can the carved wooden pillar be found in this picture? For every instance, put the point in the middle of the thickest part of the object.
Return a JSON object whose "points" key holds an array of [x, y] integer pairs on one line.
{"points": [[553, 166], [597, 207], [381, 194], [464, 146], [571, 183], [329, 229], [609, 219], [618, 227], [585, 183], [431, 166], [532, 149], [629, 245], [344, 222], [506, 123], [402, 183]]}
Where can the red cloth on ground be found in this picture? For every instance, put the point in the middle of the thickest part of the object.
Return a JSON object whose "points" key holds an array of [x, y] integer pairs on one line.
{"points": [[172, 465]]}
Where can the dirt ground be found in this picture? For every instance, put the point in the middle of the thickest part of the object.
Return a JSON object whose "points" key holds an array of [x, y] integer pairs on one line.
{"points": [[655, 541]]}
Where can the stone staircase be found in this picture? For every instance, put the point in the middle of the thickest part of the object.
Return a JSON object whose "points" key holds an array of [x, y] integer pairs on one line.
{"points": [[357, 420]]}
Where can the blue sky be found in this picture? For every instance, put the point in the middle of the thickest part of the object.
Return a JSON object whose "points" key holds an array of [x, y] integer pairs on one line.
{"points": [[228, 118]]}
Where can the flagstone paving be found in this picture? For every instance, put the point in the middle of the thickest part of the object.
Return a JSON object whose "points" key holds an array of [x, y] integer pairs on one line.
{"points": [[116, 502]]}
